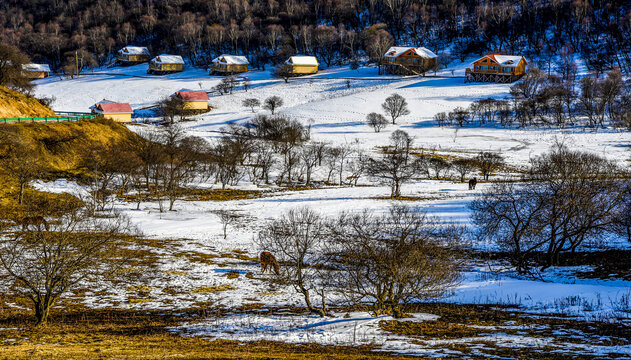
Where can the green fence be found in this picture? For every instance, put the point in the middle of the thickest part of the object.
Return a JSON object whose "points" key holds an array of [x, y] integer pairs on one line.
{"points": [[62, 116]]}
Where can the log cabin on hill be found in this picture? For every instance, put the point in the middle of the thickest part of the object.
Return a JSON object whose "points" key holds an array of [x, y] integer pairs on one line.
{"points": [[193, 100], [119, 112], [497, 68], [302, 65], [229, 64], [401, 60], [131, 55], [165, 64], [36, 71]]}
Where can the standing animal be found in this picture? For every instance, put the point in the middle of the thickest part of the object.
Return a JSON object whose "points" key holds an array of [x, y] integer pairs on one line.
{"points": [[267, 259], [472, 183], [38, 221]]}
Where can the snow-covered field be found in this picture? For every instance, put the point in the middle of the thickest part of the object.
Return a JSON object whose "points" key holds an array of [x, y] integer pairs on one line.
{"points": [[194, 259]]}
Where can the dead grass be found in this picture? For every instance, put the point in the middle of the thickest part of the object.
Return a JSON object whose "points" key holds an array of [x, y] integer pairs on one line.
{"points": [[213, 289], [119, 334], [14, 104]]}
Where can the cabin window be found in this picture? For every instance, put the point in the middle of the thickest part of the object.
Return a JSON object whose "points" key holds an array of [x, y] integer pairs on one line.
{"points": [[484, 67], [507, 69]]}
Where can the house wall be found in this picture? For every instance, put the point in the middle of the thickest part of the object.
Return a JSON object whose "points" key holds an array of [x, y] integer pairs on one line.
{"points": [[518, 70], [231, 68], [167, 67], [35, 74], [196, 105], [304, 69], [133, 58], [118, 117]]}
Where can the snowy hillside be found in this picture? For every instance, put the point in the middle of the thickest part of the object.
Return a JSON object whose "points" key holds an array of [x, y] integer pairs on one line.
{"points": [[194, 259]]}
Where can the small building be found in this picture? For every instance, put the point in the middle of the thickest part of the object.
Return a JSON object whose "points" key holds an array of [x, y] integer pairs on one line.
{"points": [[402, 60], [36, 71], [301, 65], [193, 100], [165, 64], [497, 68], [229, 64], [119, 112], [130, 55]]}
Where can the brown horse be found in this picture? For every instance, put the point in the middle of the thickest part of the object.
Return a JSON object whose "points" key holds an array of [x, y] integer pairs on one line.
{"points": [[472, 183], [267, 259], [38, 221]]}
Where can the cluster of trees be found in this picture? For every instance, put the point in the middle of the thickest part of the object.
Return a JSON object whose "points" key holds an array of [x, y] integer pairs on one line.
{"points": [[385, 260], [42, 259], [398, 164], [547, 100], [394, 106], [568, 198], [268, 31]]}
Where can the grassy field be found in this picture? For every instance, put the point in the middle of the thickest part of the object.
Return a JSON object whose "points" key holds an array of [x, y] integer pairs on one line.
{"points": [[115, 334]]}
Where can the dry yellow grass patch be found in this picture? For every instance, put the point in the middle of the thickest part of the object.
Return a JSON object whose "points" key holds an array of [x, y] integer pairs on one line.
{"points": [[213, 289]]}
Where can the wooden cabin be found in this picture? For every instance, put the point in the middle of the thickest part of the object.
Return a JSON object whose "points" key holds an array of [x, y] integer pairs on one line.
{"points": [[193, 100], [302, 65], [165, 64], [36, 71], [401, 60], [131, 55], [229, 64], [119, 112], [497, 68]]}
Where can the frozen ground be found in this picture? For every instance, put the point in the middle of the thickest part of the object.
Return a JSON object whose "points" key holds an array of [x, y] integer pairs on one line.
{"points": [[193, 260]]}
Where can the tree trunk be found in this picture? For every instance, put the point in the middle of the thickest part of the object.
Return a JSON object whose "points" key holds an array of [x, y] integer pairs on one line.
{"points": [[42, 309], [21, 197]]}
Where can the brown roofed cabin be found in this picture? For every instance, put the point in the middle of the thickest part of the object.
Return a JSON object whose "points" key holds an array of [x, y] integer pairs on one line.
{"points": [[497, 68], [401, 60], [165, 64], [36, 71], [119, 112], [193, 100], [131, 55], [229, 64]]}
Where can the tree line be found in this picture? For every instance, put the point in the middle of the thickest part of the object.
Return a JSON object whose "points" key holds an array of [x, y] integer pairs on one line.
{"points": [[560, 101], [57, 32]]}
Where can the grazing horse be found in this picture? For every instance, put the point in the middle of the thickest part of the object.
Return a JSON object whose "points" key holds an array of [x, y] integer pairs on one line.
{"points": [[38, 221], [267, 259], [472, 183]]}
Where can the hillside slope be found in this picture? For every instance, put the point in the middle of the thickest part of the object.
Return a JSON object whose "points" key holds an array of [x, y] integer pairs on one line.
{"points": [[61, 146], [17, 105]]}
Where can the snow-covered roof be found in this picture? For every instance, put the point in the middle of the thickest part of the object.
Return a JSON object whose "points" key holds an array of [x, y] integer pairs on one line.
{"points": [[231, 60], [111, 107], [134, 50], [396, 51], [36, 67], [192, 95], [504, 60], [302, 60], [168, 59]]}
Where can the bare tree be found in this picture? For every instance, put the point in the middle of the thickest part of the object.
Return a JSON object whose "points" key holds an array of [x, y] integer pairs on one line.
{"points": [[20, 163], [226, 218], [488, 162], [272, 103], [45, 264], [396, 165], [251, 103], [297, 240], [395, 106], [376, 121], [571, 197], [463, 167], [392, 259], [438, 165]]}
